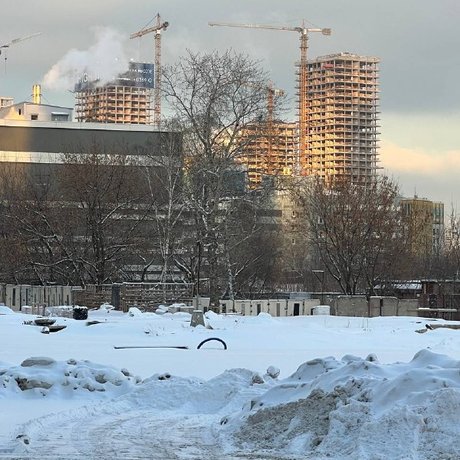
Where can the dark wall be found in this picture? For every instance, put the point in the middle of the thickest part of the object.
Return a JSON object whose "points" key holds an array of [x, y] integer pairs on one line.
{"points": [[70, 140]]}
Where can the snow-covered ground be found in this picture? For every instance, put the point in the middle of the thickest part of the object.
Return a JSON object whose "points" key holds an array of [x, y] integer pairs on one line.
{"points": [[316, 387]]}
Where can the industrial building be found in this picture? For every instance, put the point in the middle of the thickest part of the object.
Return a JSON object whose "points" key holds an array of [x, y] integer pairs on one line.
{"points": [[44, 142], [126, 99], [342, 109], [34, 110], [37, 153]]}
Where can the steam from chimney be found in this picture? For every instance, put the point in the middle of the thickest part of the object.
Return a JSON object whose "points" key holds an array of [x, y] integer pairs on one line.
{"points": [[102, 61]]}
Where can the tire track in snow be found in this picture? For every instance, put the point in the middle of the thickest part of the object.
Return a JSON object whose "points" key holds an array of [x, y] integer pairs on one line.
{"points": [[137, 434]]}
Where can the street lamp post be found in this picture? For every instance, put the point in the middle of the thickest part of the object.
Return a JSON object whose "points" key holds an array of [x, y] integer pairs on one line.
{"points": [[319, 274]]}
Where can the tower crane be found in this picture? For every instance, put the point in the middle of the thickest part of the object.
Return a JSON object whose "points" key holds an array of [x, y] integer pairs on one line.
{"points": [[271, 94], [302, 101], [17, 40], [157, 28]]}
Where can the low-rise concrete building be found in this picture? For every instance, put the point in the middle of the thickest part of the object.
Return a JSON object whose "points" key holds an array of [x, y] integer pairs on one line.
{"points": [[35, 112]]}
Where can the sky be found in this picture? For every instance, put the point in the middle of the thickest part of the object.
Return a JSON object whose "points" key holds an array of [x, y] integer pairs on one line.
{"points": [[416, 40]]}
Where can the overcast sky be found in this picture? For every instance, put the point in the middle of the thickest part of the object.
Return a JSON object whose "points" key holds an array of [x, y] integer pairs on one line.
{"points": [[418, 42]]}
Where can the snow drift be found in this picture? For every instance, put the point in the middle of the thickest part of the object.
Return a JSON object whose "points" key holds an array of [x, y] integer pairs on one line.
{"points": [[357, 408], [349, 408]]}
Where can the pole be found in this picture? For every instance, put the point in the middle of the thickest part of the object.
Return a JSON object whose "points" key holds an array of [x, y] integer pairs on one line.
{"points": [[322, 288], [321, 280]]}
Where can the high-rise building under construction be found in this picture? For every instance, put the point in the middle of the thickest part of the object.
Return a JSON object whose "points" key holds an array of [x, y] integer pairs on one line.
{"points": [[342, 108], [113, 104], [269, 150], [125, 100]]}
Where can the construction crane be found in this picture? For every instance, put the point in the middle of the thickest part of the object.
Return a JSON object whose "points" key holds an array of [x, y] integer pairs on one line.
{"points": [[16, 40], [271, 94], [302, 100], [268, 131], [157, 28]]}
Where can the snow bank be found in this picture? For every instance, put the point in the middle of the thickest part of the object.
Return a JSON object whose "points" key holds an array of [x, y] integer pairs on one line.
{"points": [[356, 408], [5, 310], [43, 376]]}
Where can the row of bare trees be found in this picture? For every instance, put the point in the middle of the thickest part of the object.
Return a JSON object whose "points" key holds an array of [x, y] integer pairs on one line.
{"points": [[181, 207], [99, 219], [356, 232], [364, 241]]}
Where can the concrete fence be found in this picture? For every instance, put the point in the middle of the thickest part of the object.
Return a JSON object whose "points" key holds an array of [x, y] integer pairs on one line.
{"points": [[275, 307], [33, 299], [340, 306], [17, 296]]}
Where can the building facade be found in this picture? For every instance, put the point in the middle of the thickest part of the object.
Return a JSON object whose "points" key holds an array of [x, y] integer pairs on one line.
{"points": [[45, 142], [6, 101], [342, 117], [30, 111], [425, 220], [48, 160]]}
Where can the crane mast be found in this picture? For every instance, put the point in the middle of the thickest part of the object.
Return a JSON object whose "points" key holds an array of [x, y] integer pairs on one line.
{"points": [[157, 59], [271, 94], [303, 80]]}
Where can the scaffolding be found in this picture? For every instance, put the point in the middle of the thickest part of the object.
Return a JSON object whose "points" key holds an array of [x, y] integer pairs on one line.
{"points": [[269, 153]]}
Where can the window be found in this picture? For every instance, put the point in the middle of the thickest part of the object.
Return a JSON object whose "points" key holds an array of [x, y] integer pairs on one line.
{"points": [[34, 116], [59, 117]]}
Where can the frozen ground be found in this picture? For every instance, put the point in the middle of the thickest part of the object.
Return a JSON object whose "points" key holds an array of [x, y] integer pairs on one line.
{"points": [[316, 387]]}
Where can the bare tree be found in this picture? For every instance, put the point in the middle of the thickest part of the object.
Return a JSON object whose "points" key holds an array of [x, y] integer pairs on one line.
{"points": [[105, 194], [37, 227], [14, 257], [214, 96], [448, 266], [163, 171], [357, 230]]}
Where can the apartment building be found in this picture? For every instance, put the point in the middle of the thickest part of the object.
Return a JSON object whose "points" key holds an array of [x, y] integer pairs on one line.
{"points": [[426, 224]]}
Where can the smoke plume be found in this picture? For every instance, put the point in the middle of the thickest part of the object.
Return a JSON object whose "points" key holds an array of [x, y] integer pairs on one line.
{"points": [[102, 61]]}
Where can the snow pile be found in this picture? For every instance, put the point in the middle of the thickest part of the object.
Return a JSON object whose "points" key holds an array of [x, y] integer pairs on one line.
{"points": [[134, 311], [62, 310], [356, 408], [42, 376], [4, 310], [106, 307]]}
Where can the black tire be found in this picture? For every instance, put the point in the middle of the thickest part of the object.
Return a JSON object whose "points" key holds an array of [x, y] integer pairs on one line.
{"points": [[212, 338]]}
